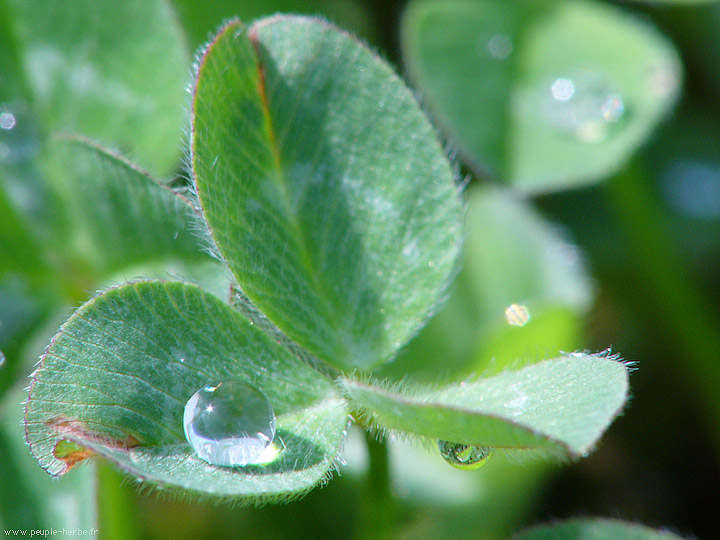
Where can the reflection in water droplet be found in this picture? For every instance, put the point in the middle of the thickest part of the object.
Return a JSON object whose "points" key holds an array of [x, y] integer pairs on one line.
{"points": [[517, 315], [229, 423], [271, 452], [500, 46], [693, 188], [7, 120], [2, 359], [464, 456], [584, 104]]}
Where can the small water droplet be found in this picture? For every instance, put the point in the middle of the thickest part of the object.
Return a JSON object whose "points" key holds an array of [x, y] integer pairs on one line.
{"points": [[2, 359], [7, 120], [500, 46], [18, 133], [517, 315], [464, 456], [229, 423], [585, 104]]}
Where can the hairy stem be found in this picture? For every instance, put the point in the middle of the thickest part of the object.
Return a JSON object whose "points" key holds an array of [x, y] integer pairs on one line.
{"points": [[377, 512], [117, 519]]}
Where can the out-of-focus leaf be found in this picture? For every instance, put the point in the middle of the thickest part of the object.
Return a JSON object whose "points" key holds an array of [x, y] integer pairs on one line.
{"points": [[594, 529], [119, 214], [544, 95], [512, 256], [18, 250], [345, 238], [23, 192], [31, 499], [22, 310], [25, 287], [116, 378], [564, 405], [695, 28], [201, 19], [118, 75]]}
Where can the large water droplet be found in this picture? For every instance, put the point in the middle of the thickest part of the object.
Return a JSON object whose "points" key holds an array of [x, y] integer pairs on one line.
{"points": [[229, 423], [464, 456], [584, 104]]}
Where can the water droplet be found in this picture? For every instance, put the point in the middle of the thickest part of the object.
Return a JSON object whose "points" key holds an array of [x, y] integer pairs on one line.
{"points": [[7, 120], [500, 46], [585, 104], [464, 456], [229, 423], [517, 315], [2, 359], [18, 133]]}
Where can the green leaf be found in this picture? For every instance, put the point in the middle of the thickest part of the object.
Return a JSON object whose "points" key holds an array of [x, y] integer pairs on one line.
{"points": [[116, 378], [562, 404], [594, 529], [120, 215], [512, 255], [118, 75], [487, 69], [324, 187], [18, 249], [31, 499], [20, 182]]}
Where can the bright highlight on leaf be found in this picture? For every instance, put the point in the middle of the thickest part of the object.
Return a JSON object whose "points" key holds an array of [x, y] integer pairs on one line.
{"points": [[564, 404], [324, 186]]}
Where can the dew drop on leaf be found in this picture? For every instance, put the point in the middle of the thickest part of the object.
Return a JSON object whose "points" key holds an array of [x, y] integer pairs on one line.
{"points": [[464, 456], [517, 315], [584, 104], [500, 46], [229, 423], [18, 133], [7, 121]]}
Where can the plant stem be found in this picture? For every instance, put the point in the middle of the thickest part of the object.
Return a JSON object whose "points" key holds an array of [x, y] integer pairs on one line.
{"points": [[116, 502], [377, 510], [668, 286]]}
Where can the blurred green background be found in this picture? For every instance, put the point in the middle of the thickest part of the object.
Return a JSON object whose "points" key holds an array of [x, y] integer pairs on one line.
{"points": [[612, 242]]}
